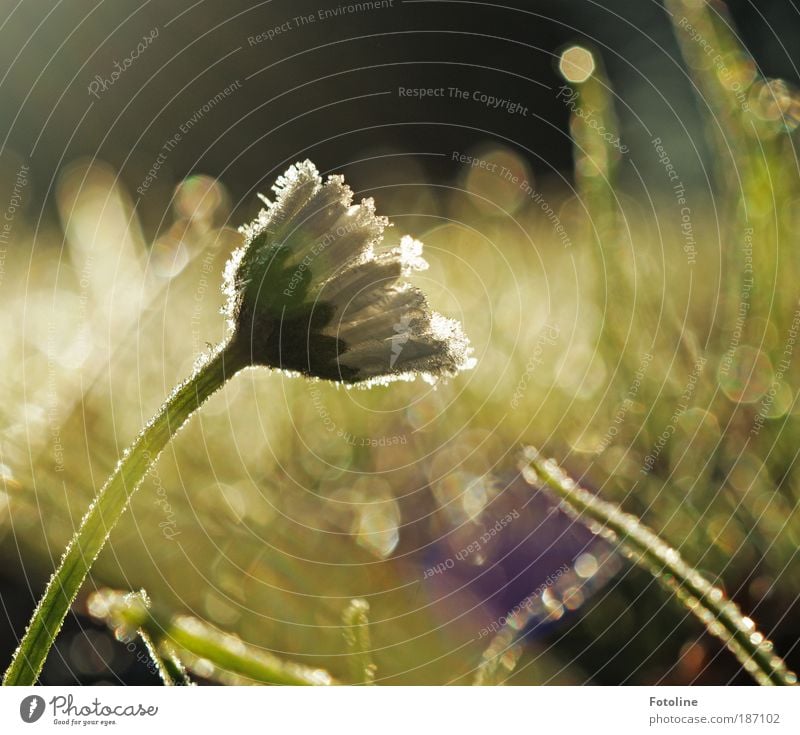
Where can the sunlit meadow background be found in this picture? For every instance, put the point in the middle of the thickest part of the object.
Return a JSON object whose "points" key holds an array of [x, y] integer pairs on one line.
{"points": [[284, 499]]}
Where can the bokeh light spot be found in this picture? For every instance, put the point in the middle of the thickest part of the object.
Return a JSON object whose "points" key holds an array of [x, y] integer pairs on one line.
{"points": [[576, 64], [746, 377]]}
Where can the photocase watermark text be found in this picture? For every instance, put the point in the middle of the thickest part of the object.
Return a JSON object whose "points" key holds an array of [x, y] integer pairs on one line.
{"points": [[725, 73], [321, 15], [524, 185], [101, 84], [183, 129], [504, 104], [679, 191], [743, 310], [169, 527], [683, 405], [570, 97], [627, 402], [7, 224], [547, 337], [780, 370], [473, 547], [524, 607], [346, 436]]}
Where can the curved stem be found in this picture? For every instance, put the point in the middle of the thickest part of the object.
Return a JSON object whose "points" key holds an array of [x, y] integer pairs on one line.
{"points": [[721, 617], [107, 507]]}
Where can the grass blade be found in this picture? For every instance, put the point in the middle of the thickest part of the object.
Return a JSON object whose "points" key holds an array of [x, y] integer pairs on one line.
{"points": [[356, 634], [223, 656], [104, 512]]}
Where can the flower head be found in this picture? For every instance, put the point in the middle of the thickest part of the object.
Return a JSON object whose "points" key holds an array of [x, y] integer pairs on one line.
{"points": [[311, 291]]}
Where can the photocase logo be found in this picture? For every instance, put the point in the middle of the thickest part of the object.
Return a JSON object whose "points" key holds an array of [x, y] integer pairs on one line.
{"points": [[31, 708]]}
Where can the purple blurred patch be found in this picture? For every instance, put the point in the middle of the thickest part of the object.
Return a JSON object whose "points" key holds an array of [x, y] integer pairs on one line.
{"points": [[521, 546]]}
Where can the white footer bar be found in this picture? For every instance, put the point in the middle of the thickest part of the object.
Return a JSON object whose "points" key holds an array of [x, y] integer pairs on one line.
{"points": [[402, 710]]}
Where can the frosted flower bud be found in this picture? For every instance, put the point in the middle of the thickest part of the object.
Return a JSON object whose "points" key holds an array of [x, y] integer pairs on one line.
{"points": [[310, 291]]}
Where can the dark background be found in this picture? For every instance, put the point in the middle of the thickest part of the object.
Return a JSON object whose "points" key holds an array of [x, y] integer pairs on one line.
{"points": [[297, 89]]}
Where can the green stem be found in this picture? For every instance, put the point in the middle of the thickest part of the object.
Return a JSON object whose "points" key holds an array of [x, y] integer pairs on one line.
{"points": [[231, 655], [173, 667], [159, 661], [220, 656], [106, 509], [721, 617]]}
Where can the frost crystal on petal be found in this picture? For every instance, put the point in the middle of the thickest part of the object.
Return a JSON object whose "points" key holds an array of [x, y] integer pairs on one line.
{"points": [[310, 290]]}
